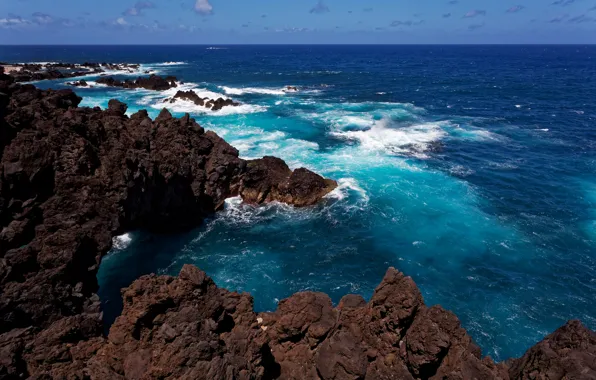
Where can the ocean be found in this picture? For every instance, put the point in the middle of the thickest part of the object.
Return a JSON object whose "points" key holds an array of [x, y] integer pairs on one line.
{"points": [[470, 168]]}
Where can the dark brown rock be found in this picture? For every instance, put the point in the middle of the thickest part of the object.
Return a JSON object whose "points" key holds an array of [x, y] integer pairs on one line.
{"points": [[153, 82], [270, 179], [214, 105], [568, 353], [72, 178], [80, 83]]}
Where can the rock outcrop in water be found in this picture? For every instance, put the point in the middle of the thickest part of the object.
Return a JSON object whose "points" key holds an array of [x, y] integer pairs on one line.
{"points": [[26, 72], [153, 82], [72, 178], [79, 83], [212, 104], [270, 179]]}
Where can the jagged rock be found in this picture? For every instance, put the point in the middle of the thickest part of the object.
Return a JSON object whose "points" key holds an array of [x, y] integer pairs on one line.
{"points": [[270, 179], [153, 82], [35, 72], [568, 353], [214, 105], [71, 179], [80, 83], [185, 327]]}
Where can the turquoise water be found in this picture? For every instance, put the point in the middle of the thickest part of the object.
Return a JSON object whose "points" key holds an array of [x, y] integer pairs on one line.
{"points": [[470, 169]]}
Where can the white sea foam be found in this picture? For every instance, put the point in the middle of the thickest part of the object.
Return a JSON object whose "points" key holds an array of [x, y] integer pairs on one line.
{"points": [[345, 186], [156, 100], [122, 241], [460, 171], [170, 64], [414, 139], [252, 90], [91, 83], [184, 106]]}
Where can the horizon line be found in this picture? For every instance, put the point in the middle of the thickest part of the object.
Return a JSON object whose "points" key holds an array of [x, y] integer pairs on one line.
{"points": [[317, 44]]}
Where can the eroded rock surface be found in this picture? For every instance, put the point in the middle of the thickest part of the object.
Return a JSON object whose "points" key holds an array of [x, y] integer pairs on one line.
{"points": [[72, 178], [186, 328], [152, 82], [270, 179]]}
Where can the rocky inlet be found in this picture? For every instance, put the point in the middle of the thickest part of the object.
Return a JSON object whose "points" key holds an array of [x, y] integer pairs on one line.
{"points": [[72, 178]]}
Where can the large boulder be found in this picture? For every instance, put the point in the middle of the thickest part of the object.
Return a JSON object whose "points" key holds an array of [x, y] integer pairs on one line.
{"points": [[270, 179]]}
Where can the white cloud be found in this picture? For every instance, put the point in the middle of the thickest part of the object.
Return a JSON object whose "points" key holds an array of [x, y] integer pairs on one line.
{"points": [[12, 21], [121, 21], [203, 7]]}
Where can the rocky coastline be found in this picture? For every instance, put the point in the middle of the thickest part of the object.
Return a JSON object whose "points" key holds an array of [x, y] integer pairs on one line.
{"points": [[27, 72], [72, 178]]}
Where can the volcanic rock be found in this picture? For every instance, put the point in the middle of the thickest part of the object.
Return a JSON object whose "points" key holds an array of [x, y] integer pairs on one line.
{"points": [[153, 82], [270, 179], [80, 83], [73, 178], [214, 105]]}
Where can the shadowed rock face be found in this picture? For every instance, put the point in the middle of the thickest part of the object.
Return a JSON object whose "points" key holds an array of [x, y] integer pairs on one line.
{"points": [[153, 82], [186, 328], [72, 178], [270, 179]]}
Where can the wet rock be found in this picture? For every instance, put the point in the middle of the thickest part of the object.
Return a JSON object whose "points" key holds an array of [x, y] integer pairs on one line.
{"points": [[214, 105], [153, 82], [80, 83], [270, 179]]}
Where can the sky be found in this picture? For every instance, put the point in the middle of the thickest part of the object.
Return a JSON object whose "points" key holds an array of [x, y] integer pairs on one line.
{"points": [[297, 21]]}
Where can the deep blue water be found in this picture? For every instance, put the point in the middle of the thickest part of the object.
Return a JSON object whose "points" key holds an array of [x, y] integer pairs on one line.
{"points": [[470, 168]]}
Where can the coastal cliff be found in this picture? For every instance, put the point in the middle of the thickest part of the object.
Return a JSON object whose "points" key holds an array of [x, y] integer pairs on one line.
{"points": [[73, 178]]}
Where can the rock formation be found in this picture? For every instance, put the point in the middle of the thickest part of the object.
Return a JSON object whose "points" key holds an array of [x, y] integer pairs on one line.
{"points": [[80, 83], [212, 104], [270, 179], [186, 328], [27, 72], [153, 82], [72, 178]]}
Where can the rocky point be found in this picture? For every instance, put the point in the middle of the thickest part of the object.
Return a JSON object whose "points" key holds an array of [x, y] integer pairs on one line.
{"points": [[72, 178]]}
